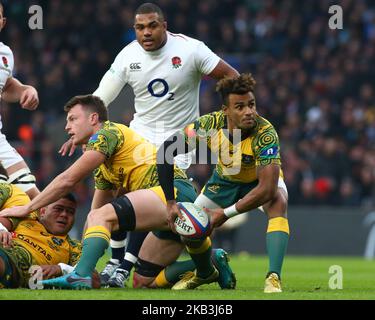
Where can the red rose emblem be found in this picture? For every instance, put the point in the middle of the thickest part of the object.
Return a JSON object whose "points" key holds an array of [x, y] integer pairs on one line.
{"points": [[176, 62], [5, 61]]}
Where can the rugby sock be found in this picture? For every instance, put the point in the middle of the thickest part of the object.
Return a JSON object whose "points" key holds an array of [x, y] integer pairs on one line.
{"points": [[118, 242], [277, 242], [172, 274], [134, 245], [201, 256], [95, 242], [128, 262]]}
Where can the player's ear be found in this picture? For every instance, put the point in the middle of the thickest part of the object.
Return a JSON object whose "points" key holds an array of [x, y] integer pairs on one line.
{"points": [[225, 109], [165, 24], [94, 117], [42, 211]]}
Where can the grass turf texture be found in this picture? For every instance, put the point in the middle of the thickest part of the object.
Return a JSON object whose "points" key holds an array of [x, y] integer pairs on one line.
{"points": [[303, 278]]}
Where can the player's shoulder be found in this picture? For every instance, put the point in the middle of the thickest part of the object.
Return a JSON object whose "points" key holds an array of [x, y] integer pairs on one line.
{"points": [[109, 129], [5, 50], [183, 39], [6, 189], [131, 47], [265, 133], [213, 120], [264, 125]]}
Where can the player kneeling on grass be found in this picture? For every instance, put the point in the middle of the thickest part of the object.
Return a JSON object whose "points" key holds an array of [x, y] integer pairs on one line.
{"points": [[247, 175], [120, 159], [40, 239], [157, 267]]}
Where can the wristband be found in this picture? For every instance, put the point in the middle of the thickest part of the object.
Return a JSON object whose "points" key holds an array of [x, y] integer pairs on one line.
{"points": [[231, 211], [3, 228], [65, 268]]}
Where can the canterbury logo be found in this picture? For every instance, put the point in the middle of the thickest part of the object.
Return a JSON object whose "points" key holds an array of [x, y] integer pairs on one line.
{"points": [[214, 188], [135, 66]]}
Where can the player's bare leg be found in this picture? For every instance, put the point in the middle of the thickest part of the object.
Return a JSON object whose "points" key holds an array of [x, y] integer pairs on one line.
{"points": [[154, 256], [139, 210]]}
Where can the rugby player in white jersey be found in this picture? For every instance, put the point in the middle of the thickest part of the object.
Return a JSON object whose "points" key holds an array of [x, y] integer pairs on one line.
{"points": [[164, 70], [12, 90]]}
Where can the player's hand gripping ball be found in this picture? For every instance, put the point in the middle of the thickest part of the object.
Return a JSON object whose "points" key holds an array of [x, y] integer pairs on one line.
{"points": [[196, 224]]}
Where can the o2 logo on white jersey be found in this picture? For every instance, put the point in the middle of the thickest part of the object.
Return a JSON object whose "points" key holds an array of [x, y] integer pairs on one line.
{"points": [[159, 88]]}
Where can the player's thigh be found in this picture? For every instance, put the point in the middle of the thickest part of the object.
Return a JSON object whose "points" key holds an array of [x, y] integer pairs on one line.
{"points": [[205, 202], [150, 210]]}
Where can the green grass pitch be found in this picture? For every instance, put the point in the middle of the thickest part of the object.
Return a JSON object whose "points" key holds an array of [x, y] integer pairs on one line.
{"points": [[303, 278]]}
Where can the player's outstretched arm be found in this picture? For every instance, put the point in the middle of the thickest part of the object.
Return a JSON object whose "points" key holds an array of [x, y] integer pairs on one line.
{"points": [[15, 91], [61, 185]]}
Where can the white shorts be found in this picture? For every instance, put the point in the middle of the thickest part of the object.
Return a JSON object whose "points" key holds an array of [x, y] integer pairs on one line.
{"points": [[8, 155]]}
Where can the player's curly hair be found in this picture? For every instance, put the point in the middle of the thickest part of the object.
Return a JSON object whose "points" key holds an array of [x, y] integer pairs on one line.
{"points": [[244, 83]]}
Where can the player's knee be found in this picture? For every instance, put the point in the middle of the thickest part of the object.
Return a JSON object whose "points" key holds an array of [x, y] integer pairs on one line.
{"points": [[142, 282], [278, 207], [125, 213], [23, 179], [145, 273], [96, 217], [281, 202]]}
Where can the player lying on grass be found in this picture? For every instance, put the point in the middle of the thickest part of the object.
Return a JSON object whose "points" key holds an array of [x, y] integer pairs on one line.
{"points": [[157, 267], [40, 239], [121, 160], [248, 173]]}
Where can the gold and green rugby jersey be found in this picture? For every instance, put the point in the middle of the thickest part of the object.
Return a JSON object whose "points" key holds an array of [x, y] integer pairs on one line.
{"points": [[32, 243], [130, 159], [237, 157], [11, 196]]}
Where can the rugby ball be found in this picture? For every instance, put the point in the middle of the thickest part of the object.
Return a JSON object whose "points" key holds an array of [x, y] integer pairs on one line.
{"points": [[196, 224]]}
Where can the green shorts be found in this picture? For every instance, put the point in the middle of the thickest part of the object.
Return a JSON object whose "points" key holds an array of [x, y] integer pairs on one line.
{"points": [[8, 279], [225, 192], [185, 193]]}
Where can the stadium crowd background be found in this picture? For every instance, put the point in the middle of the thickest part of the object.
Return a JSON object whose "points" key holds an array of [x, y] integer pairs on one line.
{"points": [[314, 84]]}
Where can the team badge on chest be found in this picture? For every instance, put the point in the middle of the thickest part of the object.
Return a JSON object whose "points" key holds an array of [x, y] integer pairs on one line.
{"points": [[176, 62], [5, 62]]}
